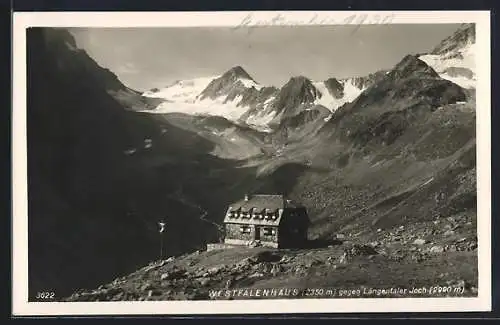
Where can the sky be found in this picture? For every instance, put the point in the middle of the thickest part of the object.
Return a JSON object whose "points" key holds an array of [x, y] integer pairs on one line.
{"points": [[144, 58]]}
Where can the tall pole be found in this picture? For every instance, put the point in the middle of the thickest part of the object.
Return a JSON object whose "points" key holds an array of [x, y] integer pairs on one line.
{"points": [[161, 245], [161, 231]]}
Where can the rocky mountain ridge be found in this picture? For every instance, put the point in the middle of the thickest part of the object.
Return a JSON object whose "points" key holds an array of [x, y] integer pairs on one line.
{"points": [[238, 97]]}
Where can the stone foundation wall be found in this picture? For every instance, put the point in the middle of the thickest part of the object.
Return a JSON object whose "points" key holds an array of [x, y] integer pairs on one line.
{"points": [[217, 246]]}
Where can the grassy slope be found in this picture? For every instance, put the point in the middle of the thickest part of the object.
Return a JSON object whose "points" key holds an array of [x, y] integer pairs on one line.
{"points": [[194, 276]]}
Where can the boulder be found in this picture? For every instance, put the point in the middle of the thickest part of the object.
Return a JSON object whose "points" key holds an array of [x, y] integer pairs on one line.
{"points": [[419, 241], [173, 275], [286, 259], [418, 256], [246, 263], [340, 236], [437, 249], [343, 259], [203, 282], [472, 246], [256, 275], [360, 250], [215, 270], [313, 263], [264, 267], [300, 270], [276, 269]]}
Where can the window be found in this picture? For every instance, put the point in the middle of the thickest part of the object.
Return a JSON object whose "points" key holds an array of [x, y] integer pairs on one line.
{"points": [[246, 215], [245, 229], [269, 231], [271, 216]]}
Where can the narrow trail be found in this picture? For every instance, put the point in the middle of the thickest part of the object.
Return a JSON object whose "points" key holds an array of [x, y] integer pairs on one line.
{"points": [[203, 213]]}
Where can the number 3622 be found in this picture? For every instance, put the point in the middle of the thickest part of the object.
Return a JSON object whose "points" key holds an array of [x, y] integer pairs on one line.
{"points": [[45, 295]]}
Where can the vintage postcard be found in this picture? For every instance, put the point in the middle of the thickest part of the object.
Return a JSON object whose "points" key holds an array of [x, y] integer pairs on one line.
{"points": [[305, 162]]}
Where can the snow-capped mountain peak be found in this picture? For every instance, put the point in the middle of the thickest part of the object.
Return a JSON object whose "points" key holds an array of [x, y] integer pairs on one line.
{"points": [[454, 58], [237, 72], [234, 80], [216, 95]]}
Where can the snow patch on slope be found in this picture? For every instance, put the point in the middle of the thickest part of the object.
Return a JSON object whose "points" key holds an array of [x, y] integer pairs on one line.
{"points": [[205, 107], [182, 90], [350, 93], [261, 119], [463, 58], [250, 83]]}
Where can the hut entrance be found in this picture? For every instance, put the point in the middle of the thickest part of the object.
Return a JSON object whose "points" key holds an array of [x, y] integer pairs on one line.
{"points": [[257, 233]]}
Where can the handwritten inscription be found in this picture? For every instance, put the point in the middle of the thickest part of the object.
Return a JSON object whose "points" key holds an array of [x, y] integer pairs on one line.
{"points": [[250, 22]]}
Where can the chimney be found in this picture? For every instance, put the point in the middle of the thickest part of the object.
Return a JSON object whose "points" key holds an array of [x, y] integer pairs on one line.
{"points": [[246, 197]]}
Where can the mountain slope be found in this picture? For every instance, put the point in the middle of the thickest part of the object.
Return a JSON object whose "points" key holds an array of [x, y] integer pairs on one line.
{"points": [[230, 140], [300, 94], [374, 155], [80, 179], [259, 273], [75, 60], [100, 176]]}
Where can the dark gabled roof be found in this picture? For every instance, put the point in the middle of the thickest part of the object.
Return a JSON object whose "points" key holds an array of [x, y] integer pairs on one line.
{"points": [[259, 209], [260, 202]]}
